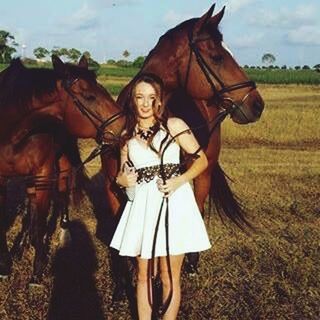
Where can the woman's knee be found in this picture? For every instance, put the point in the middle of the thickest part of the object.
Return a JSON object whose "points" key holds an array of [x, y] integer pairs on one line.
{"points": [[142, 272], [166, 279]]}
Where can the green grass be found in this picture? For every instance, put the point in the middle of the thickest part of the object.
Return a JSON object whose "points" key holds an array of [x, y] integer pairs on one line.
{"points": [[276, 76], [268, 76], [114, 71]]}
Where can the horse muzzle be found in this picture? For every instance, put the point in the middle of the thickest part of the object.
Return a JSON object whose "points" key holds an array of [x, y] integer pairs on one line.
{"points": [[248, 110]]}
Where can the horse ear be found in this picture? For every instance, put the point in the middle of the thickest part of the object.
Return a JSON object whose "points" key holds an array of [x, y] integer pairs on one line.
{"points": [[200, 24], [83, 62], [16, 63], [58, 64], [215, 20]]}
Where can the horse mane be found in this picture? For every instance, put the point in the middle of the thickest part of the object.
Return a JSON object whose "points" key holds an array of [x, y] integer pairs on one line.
{"points": [[20, 84], [188, 25]]}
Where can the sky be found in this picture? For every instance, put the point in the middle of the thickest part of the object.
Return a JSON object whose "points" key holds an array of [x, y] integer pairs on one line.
{"points": [[289, 29]]}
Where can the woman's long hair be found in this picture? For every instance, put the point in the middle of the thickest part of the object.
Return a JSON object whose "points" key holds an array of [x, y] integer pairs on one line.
{"points": [[160, 112]]}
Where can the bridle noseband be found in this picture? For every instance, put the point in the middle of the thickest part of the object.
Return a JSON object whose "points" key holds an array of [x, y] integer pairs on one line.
{"points": [[93, 117], [211, 74]]}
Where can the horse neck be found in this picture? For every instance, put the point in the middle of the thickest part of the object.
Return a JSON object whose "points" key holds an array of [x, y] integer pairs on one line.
{"points": [[15, 119], [164, 64]]}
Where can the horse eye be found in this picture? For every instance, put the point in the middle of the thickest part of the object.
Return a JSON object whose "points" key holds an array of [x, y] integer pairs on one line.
{"points": [[89, 97], [217, 59]]}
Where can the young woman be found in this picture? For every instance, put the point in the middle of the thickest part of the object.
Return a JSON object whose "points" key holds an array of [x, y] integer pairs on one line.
{"points": [[147, 137]]}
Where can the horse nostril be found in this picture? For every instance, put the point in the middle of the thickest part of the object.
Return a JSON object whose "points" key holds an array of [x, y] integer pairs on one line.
{"points": [[257, 109]]}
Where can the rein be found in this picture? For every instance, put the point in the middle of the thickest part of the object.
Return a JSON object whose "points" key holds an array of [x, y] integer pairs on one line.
{"points": [[93, 117]]}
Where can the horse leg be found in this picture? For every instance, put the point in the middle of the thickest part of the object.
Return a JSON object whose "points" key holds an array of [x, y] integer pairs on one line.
{"points": [[119, 264], [22, 238], [64, 181], [5, 258], [63, 199], [39, 204], [202, 185]]}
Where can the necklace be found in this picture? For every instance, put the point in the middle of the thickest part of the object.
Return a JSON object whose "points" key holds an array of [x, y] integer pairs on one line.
{"points": [[146, 133]]}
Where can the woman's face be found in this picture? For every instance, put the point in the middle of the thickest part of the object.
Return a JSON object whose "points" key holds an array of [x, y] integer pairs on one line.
{"points": [[145, 97]]}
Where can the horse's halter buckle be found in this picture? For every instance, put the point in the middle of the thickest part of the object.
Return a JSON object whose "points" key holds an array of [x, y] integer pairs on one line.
{"points": [[210, 74], [93, 117]]}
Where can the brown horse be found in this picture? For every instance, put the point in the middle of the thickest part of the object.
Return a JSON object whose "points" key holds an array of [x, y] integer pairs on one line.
{"points": [[41, 110], [191, 59], [201, 78]]}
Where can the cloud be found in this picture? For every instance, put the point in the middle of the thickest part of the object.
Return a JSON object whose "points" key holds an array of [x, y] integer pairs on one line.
{"points": [[83, 19], [172, 18], [285, 17], [233, 6], [304, 35], [116, 3], [248, 41]]}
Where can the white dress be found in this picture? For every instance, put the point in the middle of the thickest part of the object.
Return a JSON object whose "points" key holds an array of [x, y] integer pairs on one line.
{"points": [[135, 232]]}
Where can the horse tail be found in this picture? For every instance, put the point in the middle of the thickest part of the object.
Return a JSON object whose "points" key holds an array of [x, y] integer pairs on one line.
{"points": [[226, 203]]}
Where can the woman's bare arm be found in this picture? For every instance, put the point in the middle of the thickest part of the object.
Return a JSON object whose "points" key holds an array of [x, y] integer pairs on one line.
{"points": [[189, 144]]}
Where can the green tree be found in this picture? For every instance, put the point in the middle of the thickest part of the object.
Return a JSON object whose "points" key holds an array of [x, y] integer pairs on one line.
{"points": [[74, 54], [126, 54], [55, 51], [268, 58], [60, 52], [138, 62], [111, 61], [87, 54], [40, 52], [7, 46]]}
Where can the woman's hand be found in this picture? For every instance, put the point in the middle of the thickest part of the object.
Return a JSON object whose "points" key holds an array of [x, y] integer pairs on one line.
{"points": [[127, 178], [170, 186]]}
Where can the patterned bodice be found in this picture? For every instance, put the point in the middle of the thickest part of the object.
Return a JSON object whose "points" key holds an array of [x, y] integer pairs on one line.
{"points": [[143, 156]]}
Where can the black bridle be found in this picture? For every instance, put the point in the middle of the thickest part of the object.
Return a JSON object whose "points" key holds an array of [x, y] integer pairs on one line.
{"points": [[212, 77], [93, 117]]}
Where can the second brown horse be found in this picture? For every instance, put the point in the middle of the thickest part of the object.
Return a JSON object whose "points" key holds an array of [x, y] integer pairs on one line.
{"points": [[40, 109]]}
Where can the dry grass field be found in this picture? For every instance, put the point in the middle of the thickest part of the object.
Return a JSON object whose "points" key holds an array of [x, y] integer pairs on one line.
{"points": [[272, 274]]}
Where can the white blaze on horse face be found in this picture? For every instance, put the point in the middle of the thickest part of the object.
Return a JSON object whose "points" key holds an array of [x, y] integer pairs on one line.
{"points": [[226, 47]]}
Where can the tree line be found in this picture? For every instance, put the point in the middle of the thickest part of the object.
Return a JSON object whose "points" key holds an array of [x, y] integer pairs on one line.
{"points": [[8, 47]]}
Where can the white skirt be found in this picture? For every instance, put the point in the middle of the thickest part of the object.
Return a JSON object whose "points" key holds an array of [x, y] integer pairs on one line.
{"points": [[135, 232]]}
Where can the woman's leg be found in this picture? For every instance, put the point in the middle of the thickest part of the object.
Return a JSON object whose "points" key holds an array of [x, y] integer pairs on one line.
{"points": [[144, 308], [175, 263]]}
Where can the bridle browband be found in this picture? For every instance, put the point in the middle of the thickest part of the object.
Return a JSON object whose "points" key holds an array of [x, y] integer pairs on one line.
{"points": [[93, 117], [211, 74]]}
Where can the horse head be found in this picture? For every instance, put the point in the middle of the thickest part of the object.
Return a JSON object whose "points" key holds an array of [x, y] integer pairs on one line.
{"points": [[88, 109], [208, 71]]}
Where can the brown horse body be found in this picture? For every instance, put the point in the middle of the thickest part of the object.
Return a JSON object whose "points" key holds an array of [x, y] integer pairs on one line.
{"points": [[41, 111]]}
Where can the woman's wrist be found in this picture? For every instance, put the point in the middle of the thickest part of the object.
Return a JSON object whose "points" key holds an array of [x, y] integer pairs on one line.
{"points": [[182, 179], [118, 182]]}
